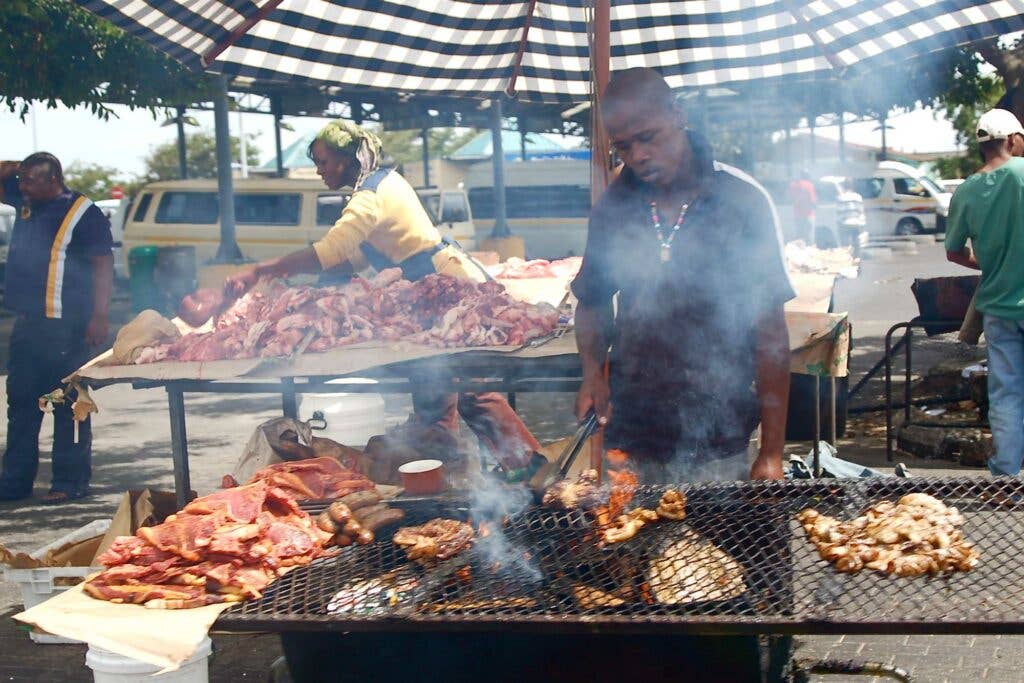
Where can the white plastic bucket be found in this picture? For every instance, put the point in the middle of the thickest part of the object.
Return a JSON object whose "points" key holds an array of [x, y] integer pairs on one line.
{"points": [[109, 667], [352, 418]]}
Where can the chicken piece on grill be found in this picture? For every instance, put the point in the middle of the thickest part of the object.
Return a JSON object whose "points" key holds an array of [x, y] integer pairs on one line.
{"points": [[916, 535], [693, 569], [570, 495], [672, 506], [437, 540], [622, 529]]}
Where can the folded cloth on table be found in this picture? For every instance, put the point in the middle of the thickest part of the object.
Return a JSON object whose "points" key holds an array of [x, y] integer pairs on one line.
{"points": [[147, 329]]}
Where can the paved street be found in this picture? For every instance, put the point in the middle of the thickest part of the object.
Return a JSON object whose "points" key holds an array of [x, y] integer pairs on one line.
{"points": [[132, 450]]}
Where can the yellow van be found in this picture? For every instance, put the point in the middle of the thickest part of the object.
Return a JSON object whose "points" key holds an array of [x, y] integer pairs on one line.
{"points": [[273, 216]]}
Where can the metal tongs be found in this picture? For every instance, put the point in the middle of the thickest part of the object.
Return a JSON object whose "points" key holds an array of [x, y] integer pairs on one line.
{"points": [[556, 471]]}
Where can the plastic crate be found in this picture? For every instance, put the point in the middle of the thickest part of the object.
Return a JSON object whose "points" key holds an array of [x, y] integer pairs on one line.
{"points": [[41, 584]]}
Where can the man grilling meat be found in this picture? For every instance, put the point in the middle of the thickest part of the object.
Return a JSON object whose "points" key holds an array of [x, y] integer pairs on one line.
{"points": [[384, 225], [699, 325], [698, 348]]}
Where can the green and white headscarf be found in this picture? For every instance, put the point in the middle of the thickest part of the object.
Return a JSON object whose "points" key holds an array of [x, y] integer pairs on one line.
{"points": [[345, 136]]}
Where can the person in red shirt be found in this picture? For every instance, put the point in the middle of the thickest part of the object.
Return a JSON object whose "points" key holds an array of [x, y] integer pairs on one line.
{"points": [[805, 200]]}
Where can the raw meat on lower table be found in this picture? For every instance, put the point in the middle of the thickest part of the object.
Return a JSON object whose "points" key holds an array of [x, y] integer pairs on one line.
{"points": [[225, 547]]}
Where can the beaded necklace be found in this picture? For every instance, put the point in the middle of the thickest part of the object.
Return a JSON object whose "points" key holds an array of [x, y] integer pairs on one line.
{"points": [[666, 242]]}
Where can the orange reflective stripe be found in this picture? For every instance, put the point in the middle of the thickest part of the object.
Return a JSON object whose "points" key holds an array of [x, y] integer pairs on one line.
{"points": [[57, 256]]}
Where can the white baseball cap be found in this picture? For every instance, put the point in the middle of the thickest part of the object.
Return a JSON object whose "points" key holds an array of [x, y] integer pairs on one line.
{"points": [[998, 124]]}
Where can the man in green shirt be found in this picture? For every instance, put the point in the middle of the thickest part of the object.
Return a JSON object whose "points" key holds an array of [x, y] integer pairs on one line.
{"points": [[988, 209]]}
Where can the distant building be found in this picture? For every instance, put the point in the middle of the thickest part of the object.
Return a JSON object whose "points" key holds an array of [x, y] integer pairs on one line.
{"points": [[444, 172]]}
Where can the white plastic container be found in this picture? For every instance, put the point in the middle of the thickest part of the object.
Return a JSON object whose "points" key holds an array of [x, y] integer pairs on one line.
{"points": [[352, 418], [108, 667], [40, 584]]}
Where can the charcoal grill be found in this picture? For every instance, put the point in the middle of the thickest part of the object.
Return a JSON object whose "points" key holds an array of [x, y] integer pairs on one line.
{"points": [[786, 587]]}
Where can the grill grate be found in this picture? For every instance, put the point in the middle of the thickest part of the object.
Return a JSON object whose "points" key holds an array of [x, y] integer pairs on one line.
{"points": [[740, 563]]}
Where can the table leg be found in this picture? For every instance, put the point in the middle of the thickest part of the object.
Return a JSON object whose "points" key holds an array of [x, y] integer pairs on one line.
{"points": [[816, 468], [289, 402], [179, 444]]}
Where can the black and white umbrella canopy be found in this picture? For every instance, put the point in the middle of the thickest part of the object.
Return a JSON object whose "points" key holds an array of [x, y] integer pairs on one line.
{"points": [[541, 49]]}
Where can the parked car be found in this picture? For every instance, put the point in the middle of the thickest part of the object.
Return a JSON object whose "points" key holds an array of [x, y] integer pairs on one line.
{"points": [[7, 216], [115, 210], [839, 218], [273, 216], [950, 184], [547, 203], [902, 200]]}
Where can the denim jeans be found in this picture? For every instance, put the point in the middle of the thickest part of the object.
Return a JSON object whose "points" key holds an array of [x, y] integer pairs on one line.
{"points": [[1005, 339]]}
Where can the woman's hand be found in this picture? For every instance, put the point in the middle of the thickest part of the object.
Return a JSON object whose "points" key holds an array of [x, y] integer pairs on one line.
{"points": [[241, 282]]}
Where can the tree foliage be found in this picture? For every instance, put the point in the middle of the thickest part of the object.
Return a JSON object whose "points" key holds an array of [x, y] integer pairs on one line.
{"points": [[55, 52], [406, 146], [200, 155], [93, 180]]}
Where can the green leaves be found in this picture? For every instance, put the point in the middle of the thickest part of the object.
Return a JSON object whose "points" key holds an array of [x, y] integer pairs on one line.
{"points": [[54, 52], [200, 154], [92, 180]]}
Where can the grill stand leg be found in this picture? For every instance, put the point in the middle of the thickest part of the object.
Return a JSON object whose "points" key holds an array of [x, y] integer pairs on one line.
{"points": [[179, 444], [817, 426]]}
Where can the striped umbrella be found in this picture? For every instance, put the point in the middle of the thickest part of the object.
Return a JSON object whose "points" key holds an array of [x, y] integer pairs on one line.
{"points": [[540, 50]]}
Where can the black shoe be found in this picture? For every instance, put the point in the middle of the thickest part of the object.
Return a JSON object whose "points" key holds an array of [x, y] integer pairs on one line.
{"points": [[10, 496], [61, 497]]}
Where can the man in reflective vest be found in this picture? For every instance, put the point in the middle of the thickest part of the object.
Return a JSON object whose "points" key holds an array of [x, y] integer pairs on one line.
{"points": [[59, 278]]}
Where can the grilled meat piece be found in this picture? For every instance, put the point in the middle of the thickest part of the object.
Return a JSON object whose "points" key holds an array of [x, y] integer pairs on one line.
{"points": [[672, 506], [570, 495], [437, 540], [625, 527], [692, 569], [916, 535]]}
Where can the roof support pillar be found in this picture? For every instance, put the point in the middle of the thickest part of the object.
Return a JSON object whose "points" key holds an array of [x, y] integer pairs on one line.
{"points": [[228, 250], [498, 161], [182, 149], [275, 109]]}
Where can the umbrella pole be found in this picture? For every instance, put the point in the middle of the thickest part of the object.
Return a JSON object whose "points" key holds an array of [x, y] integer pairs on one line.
{"points": [[600, 68]]}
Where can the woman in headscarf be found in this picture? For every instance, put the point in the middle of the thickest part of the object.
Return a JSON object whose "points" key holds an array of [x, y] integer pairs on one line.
{"points": [[384, 225]]}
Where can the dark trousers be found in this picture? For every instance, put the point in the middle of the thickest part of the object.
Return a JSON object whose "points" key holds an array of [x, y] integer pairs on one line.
{"points": [[42, 353], [496, 425]]}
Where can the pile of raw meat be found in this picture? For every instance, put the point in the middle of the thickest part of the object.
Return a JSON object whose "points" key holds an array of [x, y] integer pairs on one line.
{"points": [[518, 269], [225, 547], [311, 479], [274, 319]]}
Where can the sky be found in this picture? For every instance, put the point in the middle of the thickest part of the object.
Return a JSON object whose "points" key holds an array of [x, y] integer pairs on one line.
{"points": [[124, 141]]}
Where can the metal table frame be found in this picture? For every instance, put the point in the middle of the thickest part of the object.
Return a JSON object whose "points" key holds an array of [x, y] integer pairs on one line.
{"points": [[463, 372], [906, 343]]}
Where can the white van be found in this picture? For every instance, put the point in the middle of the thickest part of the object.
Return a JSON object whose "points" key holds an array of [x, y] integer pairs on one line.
{"points": [[547, 202], [115, 210], [7, 216], [273, 216], [902, 200]]}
